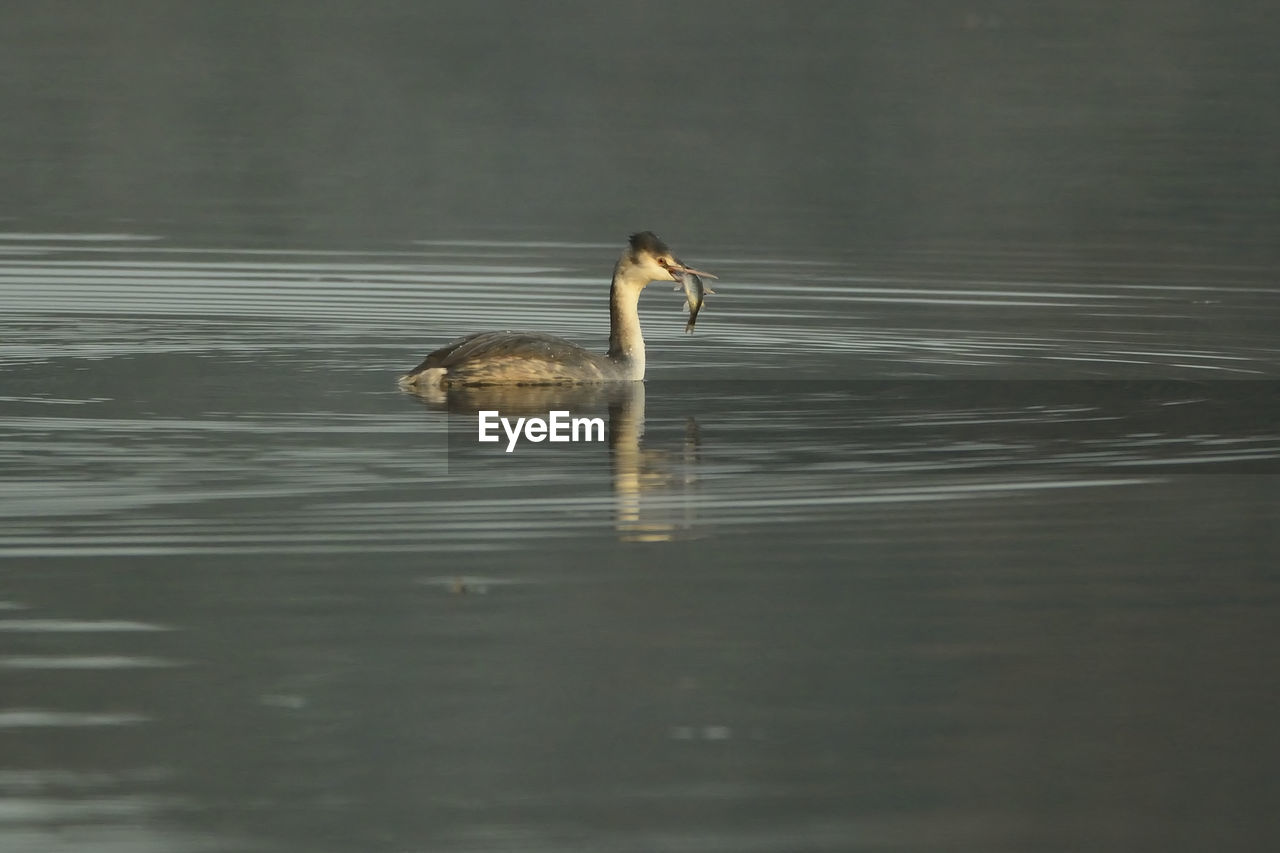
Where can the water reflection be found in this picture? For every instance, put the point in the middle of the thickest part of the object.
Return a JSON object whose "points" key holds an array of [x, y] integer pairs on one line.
{"points": [[652, 485]]}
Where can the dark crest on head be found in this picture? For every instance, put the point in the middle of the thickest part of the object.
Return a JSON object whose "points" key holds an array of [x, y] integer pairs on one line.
{"points": [[647, 242]]}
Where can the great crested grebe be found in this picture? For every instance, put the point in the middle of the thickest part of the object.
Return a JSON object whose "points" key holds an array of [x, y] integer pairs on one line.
{"points": [[532, 358]]}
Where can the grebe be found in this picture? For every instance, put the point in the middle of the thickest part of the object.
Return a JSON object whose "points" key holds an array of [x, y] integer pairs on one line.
{"points": [[532, 358]]}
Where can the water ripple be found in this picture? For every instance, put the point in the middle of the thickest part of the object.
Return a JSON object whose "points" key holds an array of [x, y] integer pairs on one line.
{"points": [[807, 309], [164, 400]]}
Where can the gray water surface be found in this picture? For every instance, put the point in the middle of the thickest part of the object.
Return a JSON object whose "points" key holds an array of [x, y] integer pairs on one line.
{"points": [[952, 526], [258, 597]]}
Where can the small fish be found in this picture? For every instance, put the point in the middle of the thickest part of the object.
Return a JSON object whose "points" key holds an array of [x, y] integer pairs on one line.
{"points": [[694, 290]]}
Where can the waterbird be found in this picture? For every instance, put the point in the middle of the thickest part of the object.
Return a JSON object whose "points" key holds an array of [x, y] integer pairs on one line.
{"points": [[533, 358]]}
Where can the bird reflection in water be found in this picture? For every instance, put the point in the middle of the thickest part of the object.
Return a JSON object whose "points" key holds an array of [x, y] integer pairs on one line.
{"points": [[653, 487]]}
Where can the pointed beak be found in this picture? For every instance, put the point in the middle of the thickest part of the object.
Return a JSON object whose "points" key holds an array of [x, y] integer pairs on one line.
{"points": [[678, 269]]}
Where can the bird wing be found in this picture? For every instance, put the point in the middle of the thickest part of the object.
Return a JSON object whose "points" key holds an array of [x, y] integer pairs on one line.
{"points": [[529, 357]]}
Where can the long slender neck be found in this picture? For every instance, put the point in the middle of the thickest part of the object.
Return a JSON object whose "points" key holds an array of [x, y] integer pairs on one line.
{"points": [[626, 343]]}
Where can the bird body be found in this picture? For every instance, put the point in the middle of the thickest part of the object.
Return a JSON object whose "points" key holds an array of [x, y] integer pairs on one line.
{"points": [[517, 358]]}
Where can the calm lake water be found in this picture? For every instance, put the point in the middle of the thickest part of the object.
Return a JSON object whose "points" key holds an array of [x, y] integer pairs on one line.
{"points": [[963, 539]]}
